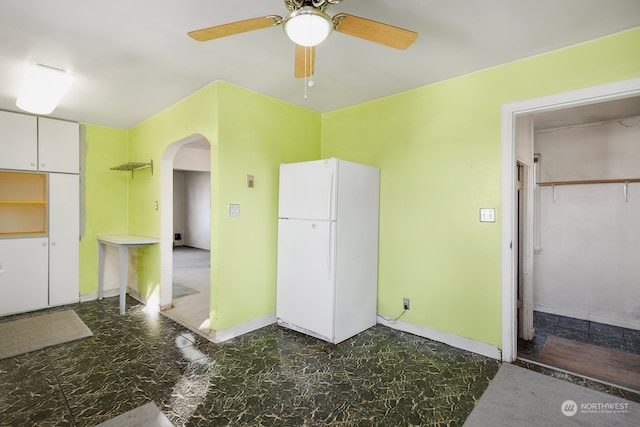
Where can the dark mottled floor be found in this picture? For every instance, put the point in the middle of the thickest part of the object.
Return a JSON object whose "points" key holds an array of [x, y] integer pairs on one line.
{"points": [[270, 377]]}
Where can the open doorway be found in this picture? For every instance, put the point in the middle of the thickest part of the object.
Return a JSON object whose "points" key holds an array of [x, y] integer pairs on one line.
{"points": [[551, 309], [186, 232], [585, 262]]}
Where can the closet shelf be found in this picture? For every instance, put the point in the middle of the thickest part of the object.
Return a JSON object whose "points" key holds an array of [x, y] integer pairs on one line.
{"points": [[133, 166], [591, 181], [23, 202], [625, 187]]}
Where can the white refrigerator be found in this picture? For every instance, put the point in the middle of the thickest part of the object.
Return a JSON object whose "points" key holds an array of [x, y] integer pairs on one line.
{"points": [[327, 269]]}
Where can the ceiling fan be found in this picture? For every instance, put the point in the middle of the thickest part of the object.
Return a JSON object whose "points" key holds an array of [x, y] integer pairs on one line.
{"points": [[307, 25]]}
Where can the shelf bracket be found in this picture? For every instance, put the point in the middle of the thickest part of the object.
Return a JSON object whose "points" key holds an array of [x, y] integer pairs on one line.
{"points": [[625, 190]]}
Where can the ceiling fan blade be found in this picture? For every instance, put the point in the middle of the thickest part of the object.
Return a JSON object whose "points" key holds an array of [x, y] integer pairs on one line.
{"points": [[373, 31], [305, 61], [232, 28]]}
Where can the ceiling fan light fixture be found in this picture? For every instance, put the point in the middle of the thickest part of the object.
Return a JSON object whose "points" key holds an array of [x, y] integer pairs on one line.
{"points": [[42, 89], [307, 26]]}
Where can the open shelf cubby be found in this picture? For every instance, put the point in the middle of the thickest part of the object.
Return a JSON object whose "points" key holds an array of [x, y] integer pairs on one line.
{"points": [[23, 203]]}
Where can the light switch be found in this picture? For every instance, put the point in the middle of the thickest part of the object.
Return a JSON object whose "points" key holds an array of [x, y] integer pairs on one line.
{"points": [[487, 215], [234, 210], [250, 181]]}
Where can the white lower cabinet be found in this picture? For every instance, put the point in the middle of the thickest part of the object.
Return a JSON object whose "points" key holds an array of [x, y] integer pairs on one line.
{"points": [[23, 274]]}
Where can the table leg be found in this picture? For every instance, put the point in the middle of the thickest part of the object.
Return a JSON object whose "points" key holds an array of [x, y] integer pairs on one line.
{"points": [[124, 267], [100, 269]]}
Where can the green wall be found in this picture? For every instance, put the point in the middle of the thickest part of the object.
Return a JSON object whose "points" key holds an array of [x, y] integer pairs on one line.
{"points": [[250, 134], [106, 195], [256, 134], [194, 115], [438, 148]]}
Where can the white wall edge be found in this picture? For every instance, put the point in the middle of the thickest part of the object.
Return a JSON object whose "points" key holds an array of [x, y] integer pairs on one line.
{"points": [[622, 323], [241, 329], [591, 95], [463, 343]]}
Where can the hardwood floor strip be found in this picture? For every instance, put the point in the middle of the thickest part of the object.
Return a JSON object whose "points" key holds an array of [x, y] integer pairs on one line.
{"points": [[614, 366]]}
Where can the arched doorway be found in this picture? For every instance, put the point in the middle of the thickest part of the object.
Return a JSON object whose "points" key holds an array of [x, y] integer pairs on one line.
{"points": [[187, 156]]}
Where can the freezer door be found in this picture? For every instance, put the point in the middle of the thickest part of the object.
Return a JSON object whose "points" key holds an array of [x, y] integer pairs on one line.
{"points": [[305, 285], [307, 190]]}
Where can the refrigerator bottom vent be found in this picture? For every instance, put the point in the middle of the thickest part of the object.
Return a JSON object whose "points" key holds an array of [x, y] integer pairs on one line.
{"points": [[288, 325]]}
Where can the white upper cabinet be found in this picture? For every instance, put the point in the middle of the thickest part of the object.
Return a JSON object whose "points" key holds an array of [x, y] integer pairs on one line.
{"points": [[58, 145], [38, 143], [18, 141]]}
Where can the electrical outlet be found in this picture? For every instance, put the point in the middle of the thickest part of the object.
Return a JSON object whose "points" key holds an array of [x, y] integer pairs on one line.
{"points": [[406, 303]]}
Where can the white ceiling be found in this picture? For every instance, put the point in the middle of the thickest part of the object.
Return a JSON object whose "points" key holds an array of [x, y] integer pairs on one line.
{"points": [[133, 58]]}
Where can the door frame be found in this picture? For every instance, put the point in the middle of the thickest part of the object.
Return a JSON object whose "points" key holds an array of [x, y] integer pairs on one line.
{"points": [[510, 112], [523, 205]]}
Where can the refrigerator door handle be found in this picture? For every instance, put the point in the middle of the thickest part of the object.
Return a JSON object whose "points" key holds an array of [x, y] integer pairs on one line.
{"points": [[330, 193], [330, 249]]}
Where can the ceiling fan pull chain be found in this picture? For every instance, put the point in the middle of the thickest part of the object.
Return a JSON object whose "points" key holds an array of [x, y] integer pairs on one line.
{"points": [[305, 72]]}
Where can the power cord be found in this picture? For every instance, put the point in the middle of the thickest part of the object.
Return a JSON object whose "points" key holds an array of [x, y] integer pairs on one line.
{"points": [[393, 319]]}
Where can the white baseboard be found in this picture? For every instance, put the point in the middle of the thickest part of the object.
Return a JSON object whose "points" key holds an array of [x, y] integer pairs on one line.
{"points": [[105, 294], [115, 292], [608, 320], [241, 329], [467, 344]]}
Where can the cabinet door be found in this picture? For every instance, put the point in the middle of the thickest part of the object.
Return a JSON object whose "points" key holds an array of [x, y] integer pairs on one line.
{"points": [[23, 275], [18, 141], [58, 145], [64, 219]]}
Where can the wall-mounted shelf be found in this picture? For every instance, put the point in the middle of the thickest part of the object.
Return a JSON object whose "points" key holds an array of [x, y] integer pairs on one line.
{"points": [[133, 166]]}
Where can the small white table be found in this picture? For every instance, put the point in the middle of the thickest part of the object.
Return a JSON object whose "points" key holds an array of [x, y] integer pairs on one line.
{"points": [[123, 242]]}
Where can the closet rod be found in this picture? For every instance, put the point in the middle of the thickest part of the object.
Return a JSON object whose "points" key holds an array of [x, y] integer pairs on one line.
{"points": [[591, 181]]}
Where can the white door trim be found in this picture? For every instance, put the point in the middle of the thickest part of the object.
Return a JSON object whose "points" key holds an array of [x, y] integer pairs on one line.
{"points": [[608, 92]]}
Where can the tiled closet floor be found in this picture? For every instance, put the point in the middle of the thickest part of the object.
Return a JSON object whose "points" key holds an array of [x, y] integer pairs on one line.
{"points": [[272, 376], [600, 334]]}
